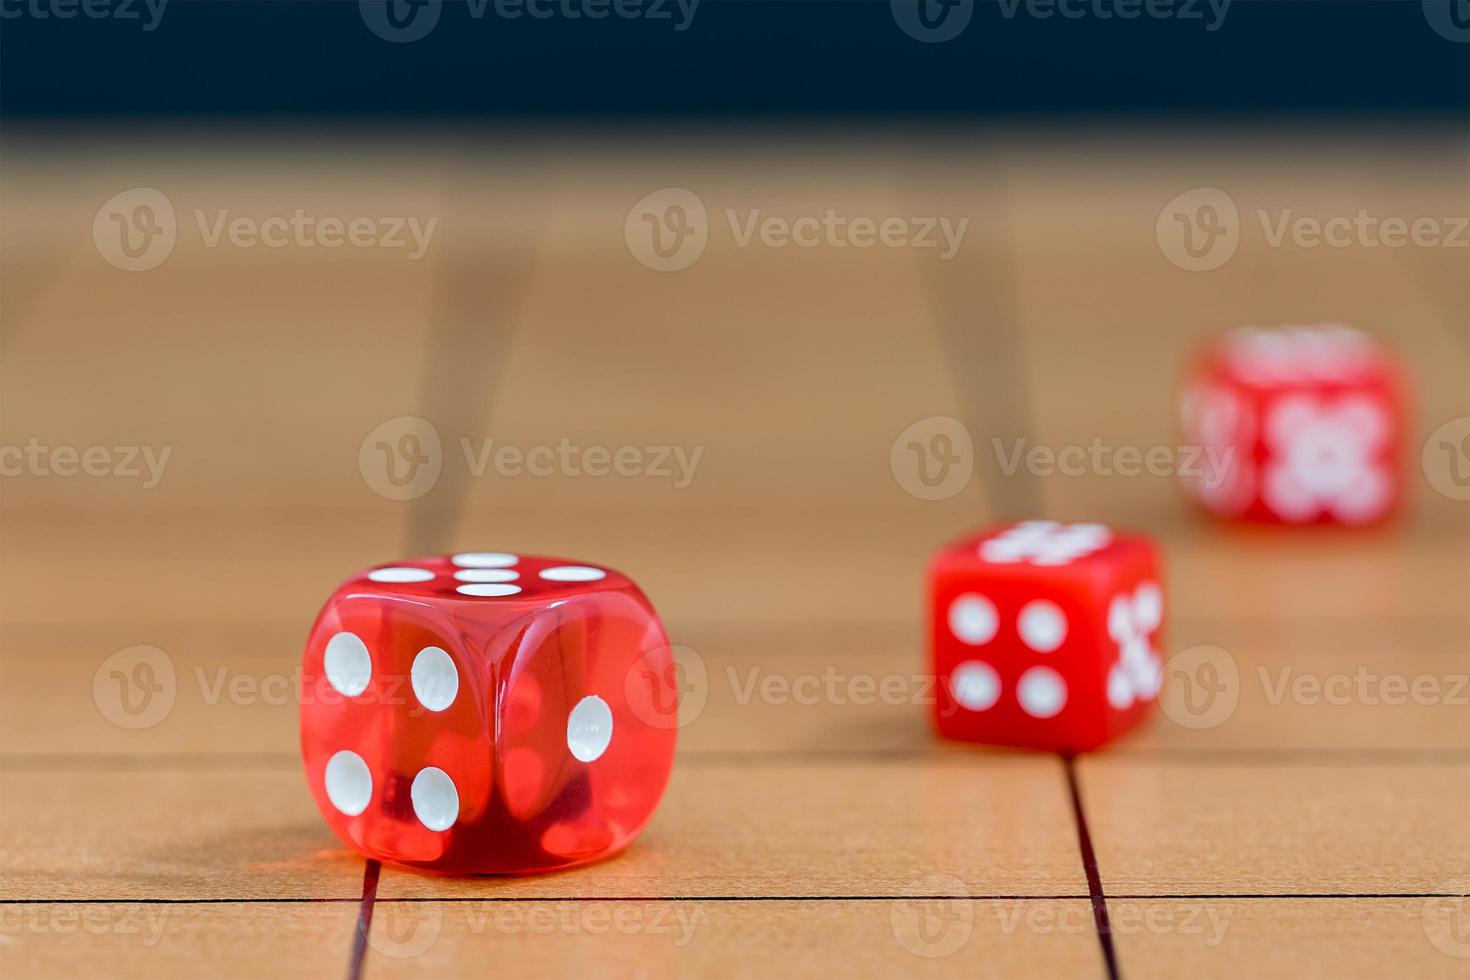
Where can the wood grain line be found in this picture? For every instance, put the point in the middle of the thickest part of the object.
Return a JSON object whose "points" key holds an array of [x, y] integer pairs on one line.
{"points": [[370, 873], [1089, 866]]}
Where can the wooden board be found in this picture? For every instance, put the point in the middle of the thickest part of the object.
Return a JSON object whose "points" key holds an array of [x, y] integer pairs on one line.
{"points": [[1309, 823]]}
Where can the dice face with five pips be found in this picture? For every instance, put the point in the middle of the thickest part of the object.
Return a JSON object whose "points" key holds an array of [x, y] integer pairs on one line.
{"points": [[488, 712], [1296, 425], [1045, 635]]}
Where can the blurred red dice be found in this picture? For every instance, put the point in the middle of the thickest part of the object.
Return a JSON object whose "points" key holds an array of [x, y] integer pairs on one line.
{"points": [[1045, 635], [488, 712], [1299, 425]]}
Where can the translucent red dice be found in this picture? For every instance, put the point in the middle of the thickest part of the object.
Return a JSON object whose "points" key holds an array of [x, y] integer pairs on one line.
{"points": [[1045, 635], [488, 712], [1298, 425]]}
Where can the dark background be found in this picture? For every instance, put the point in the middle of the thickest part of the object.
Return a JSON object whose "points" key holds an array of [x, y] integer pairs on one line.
{"points": [[758, 58]]}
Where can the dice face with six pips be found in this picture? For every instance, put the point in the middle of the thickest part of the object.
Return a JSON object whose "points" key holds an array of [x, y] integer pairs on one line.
{"points": [[1298, 425], [488, 712], [1045, 635]]}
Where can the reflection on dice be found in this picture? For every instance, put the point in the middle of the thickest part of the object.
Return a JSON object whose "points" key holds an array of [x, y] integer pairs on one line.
{"points": [[1045, 635], [1298, 425], [488, 712]]}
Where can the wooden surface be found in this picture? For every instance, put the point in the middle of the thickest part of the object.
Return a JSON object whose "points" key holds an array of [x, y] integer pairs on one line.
{"points": [[813, 829]]}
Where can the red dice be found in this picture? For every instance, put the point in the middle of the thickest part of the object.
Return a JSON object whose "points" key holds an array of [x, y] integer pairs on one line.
{"points": [[488, 712], [1045, 635], [1298, 425]]}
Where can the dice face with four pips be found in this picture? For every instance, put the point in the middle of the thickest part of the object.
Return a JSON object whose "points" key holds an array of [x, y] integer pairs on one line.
{"points": [[1045, 635], [488, 712], [1298, 425]]}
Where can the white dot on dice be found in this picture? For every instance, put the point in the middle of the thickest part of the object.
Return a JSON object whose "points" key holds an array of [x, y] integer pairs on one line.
{"points": [[1120, 688], [488, 591], [435, 800], [589, 729], [974, 685], [348, 664], [973, 619], [349, 783], [572, 573], [1042, 692], [1148, 606], [435, 680], [487, 575], [1042, 625], [484, 559], [400, 575]]}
